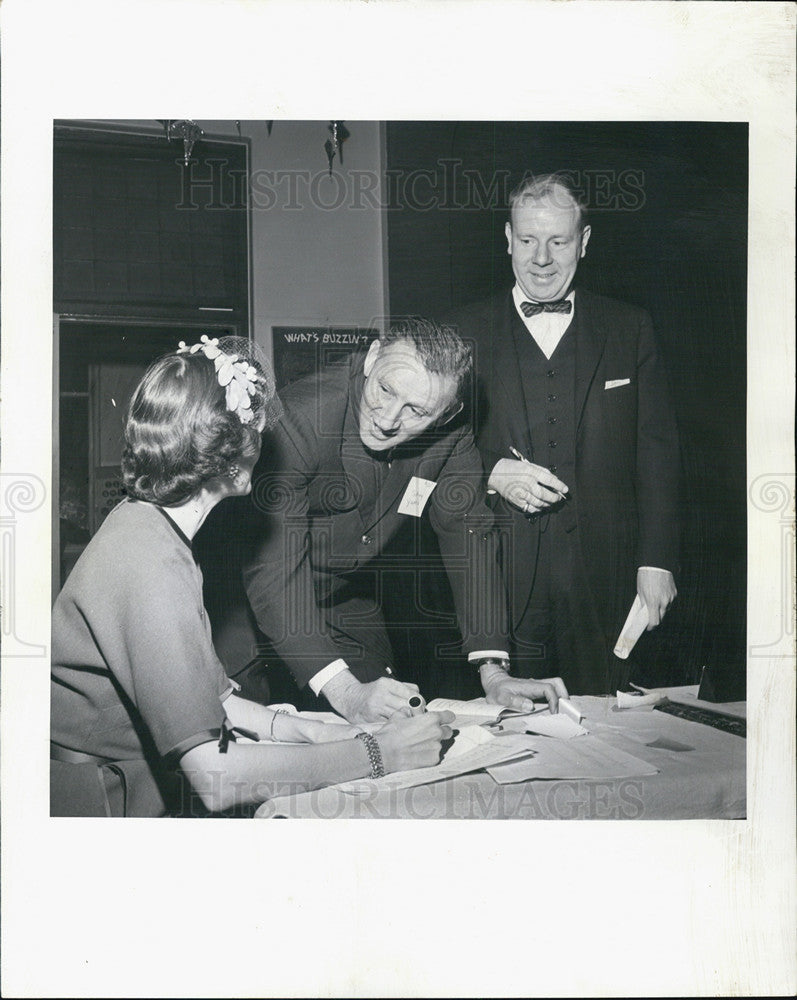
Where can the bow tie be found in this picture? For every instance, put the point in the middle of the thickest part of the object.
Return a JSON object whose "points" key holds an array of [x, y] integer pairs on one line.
{"points": [[533, 308]]}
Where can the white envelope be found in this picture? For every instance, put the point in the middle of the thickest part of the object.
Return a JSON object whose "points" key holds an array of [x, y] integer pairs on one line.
{"points": [[615, 382]]}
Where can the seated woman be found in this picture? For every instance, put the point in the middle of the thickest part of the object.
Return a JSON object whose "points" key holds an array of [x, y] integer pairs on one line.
{"points": [[143, 717]]}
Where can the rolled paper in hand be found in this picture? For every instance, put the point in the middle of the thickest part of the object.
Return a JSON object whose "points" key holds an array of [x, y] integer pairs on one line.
{"points": [[634, 699], [417, 705], [635, 624]]}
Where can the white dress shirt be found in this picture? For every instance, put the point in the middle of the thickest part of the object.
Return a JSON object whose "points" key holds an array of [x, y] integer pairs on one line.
{"points": [[547, 328]]}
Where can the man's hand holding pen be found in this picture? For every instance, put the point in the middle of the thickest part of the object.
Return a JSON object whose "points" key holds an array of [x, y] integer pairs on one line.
{"points": [[530, 487]]}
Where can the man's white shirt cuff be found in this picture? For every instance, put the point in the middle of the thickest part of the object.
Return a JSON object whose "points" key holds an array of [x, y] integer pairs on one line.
{"points": [[317, 681], [488, 654]]}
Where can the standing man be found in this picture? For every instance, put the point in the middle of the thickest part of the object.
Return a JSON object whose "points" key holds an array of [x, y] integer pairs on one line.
{"points": [[363, 449], [578, 433]]}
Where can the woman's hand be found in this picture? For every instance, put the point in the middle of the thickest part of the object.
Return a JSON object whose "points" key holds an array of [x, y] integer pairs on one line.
{"points": [[407, 743]]}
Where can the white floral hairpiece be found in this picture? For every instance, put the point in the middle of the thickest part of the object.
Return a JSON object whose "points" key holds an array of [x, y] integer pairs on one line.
{"points": [[237, 376]]}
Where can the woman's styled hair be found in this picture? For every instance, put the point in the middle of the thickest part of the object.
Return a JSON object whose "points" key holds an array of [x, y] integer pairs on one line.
{"points": [[179, 433]]}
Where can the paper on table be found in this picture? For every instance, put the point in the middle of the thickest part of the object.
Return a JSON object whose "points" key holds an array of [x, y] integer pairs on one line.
{"points": [[477, 711], [567, 707], [635, 624], [628, 700], [687, 695], [558, 726], [586, 758], [484, 754], [466, 739], [476, 707]]}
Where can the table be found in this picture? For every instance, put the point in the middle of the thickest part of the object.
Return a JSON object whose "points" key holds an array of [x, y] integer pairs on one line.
{"points": [[702, 775]]}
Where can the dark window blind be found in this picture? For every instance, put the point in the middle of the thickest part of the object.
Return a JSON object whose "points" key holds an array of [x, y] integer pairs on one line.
{"points": [[135, 230]]}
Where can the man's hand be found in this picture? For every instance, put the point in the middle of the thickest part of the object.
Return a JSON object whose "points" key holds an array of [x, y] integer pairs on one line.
{"points": [[518, 693], [372, 702], [528, 486], [656, 589]]}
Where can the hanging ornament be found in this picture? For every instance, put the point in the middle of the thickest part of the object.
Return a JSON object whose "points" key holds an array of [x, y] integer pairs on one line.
{"points": [[333, 145], [185, 129]]}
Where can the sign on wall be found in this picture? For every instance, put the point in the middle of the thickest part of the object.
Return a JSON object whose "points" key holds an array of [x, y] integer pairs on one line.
{"points": [[301, 350]]}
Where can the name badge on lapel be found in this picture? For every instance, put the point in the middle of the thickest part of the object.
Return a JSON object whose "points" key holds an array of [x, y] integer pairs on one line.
{"points": [[415, 496]]}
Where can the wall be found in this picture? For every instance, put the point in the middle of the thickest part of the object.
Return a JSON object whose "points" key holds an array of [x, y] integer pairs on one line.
{"points": [[314, 264]]}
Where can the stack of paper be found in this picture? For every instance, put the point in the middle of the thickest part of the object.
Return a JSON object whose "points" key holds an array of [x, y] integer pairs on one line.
{"points": [[474, 712], [633, 699], [479, 710], [588, 758], [558, 726]]}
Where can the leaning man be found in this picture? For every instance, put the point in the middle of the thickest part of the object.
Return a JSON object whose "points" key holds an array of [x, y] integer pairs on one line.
{"points": [[363, 447]]}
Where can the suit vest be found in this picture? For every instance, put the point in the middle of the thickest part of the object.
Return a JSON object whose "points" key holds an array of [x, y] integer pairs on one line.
{"points": [[549, 391]]}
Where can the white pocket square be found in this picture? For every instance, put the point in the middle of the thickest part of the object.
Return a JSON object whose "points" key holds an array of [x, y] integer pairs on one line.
{"points": [[614, 383]]}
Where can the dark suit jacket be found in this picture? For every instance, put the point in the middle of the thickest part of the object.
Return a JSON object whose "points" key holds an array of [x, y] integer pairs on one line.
{"points": [[626, 455], [311, 532]]}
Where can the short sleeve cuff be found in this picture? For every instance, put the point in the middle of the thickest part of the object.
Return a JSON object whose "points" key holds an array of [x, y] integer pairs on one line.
{"points": [[317, 681], [174, 755], [233, 687]]}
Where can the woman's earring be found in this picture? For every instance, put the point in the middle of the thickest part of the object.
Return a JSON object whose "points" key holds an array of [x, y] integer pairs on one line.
{"points": [[233, 471]]}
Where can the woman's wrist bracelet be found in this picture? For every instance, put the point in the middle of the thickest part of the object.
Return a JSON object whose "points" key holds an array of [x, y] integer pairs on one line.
{"points": [[374, 752], [277, 711]]}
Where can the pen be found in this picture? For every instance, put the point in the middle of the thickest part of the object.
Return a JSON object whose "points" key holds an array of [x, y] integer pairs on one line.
{"points": [[445, 745], [522, 458]]}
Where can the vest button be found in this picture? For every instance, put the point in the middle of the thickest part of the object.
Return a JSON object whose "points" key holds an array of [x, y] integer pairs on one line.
{"points": [[366, 539], [551, 398], [552, 372], [552, 468], [551, 420], [552, 444]]}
